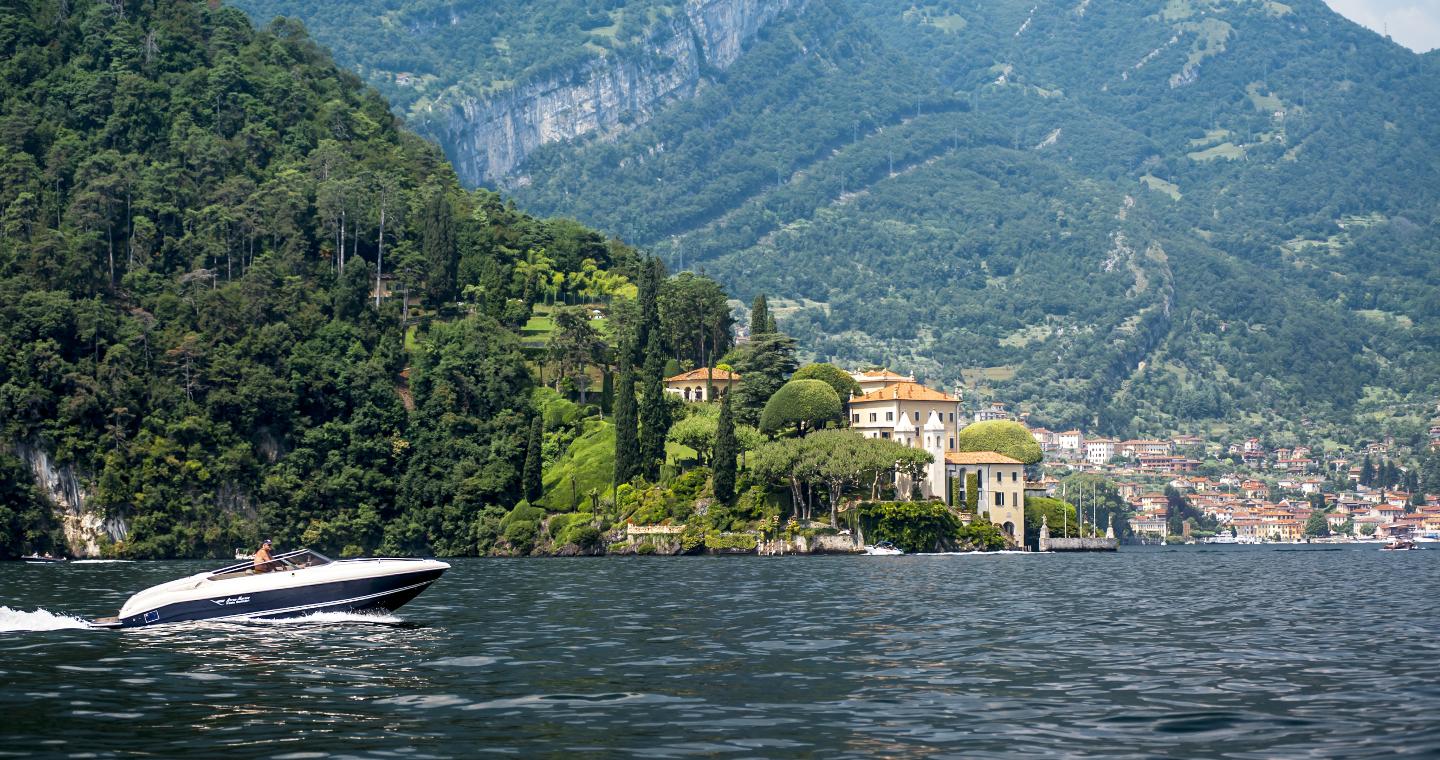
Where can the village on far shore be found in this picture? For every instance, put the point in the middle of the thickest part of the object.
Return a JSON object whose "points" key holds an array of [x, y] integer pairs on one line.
{"points": [[1247, 492]]}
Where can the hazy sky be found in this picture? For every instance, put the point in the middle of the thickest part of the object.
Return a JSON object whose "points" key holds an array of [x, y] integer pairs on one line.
{"points": [[1412, 23]]}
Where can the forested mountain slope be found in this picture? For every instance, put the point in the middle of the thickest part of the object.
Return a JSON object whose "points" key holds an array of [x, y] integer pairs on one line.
{"points": [[1144, 215], [192, 351]]}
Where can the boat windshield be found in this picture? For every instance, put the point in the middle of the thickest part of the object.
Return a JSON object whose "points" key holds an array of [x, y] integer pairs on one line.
{"points": [[296, 560]]}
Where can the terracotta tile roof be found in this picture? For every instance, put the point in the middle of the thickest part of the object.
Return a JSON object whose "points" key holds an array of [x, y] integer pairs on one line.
{"points": [[703, 373], [906, 391], [978, 457]]}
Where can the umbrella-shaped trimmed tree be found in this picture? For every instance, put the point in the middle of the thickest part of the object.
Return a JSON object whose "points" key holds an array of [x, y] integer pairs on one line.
{"points": [[802, 405]]}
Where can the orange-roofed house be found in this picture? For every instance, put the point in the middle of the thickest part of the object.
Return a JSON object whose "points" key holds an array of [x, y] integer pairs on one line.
{"points": [[875, 379], [1000, 484], [897, 411], [703, 384]]}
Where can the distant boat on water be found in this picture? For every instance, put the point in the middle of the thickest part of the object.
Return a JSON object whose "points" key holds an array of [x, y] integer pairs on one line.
{"points": [[42, 559]]}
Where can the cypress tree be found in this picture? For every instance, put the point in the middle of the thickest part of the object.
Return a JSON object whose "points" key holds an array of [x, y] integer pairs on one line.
{"points": [[648, 300], [654, 411], [726, 450], [770, 326], [437, 241], [759, 315], [627, 445], [533, 485], [1367, 471]]}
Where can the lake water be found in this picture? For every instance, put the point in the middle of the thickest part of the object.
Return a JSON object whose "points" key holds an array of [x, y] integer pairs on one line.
{"points": [[1179, 651]]}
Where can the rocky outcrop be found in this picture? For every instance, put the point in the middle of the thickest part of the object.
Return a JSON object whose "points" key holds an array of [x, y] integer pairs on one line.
{"points": [[67, 491], [486, 138]]}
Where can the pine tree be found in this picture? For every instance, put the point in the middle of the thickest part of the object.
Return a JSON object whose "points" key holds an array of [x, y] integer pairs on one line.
{"points": [[627, 444], [726, 450], [759, 315], [532, 476], [654, 411]]}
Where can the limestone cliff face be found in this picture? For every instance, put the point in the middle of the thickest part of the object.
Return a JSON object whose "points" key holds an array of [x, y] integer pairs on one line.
{"points": [[67, 491], [487, 138]]}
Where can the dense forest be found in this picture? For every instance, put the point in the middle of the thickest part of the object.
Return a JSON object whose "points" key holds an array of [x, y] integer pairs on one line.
{"points": [[238, 298], [1141, 216]]}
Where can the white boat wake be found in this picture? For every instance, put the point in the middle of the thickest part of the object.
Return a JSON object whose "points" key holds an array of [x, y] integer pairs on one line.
{"points": [[99, 561], [39, 620], [330, 617]]}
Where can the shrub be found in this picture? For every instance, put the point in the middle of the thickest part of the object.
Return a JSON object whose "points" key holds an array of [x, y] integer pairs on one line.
{"points": [[803, 404], [521, 534], [730, 541], [844, 385], [1001, 436]]}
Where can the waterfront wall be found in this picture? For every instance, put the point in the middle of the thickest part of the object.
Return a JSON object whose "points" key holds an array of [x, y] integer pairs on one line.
{"points": [[1079, 544]]}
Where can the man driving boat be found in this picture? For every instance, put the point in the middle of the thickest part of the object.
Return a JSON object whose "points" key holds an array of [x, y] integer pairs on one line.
{"points": [[263, 558]]}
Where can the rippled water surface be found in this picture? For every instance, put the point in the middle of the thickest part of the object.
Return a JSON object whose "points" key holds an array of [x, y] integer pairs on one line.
{"points": [[1235, 651]]}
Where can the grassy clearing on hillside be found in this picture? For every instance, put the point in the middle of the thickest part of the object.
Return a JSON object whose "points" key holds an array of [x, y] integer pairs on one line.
{"points": [[1025, 336], [1226, 150], [1377, 315], [1211, 137], [1159, 185], [587, 464], [1269, 103], [989, 374]]}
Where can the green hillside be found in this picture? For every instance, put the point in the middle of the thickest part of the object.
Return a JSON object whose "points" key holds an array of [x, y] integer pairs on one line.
{"points": [[1139, 216], [196, 215]]}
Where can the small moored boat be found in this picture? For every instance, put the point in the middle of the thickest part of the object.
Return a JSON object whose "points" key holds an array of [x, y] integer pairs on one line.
{"points": [[1398, 545], [293, 584], [42, 559]]}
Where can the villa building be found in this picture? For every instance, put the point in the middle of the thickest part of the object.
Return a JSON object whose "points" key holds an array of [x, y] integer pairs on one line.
{"points": [[1070, 442], [995, 411], [911, 414], [1099, 450], [703, 384], [1000, 481], [898, 410], [874, 380]]}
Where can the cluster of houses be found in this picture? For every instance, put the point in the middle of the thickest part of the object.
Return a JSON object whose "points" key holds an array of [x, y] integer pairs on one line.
{"points": [[1245, 509]]}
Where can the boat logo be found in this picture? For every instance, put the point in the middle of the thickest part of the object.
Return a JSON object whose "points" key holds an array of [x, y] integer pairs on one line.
{"points": [[229, 600]]}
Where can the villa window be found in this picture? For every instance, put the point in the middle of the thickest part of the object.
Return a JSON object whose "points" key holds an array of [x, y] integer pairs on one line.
{"points": [[952, 443], [1015, 477], [999, 477], [855, 418], [952, 416], [885, 434], [889, 416], [999, 499], [917, 416], [872, 416]]}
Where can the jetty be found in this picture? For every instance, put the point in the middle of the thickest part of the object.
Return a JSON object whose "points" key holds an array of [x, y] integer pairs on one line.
{"points": [[1078, 544]]}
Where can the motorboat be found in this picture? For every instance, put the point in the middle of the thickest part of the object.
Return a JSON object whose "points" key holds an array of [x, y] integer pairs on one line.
{"points": [[42, 559], [290, 585], [883, 549], [1399, 545]]}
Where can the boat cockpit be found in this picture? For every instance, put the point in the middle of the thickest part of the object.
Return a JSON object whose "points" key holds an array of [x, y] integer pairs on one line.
{"points": [[296, 560]]}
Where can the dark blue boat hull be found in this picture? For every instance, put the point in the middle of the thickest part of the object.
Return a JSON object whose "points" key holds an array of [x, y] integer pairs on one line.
{"points": [[385, 593]]}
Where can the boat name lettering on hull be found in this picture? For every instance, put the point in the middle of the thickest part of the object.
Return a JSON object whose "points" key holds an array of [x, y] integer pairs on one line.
{"points": [[229, 600]]}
